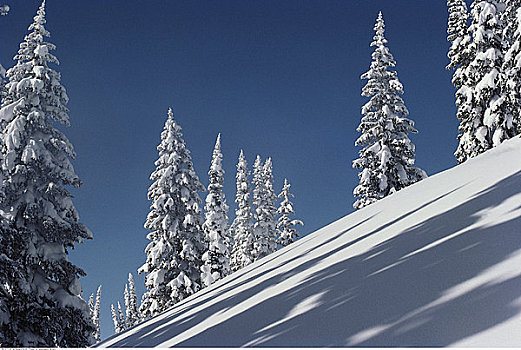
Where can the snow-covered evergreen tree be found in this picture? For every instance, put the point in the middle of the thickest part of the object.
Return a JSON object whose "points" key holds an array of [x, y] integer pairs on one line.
{"points": [[509, 20], [482, 105], [96, 315], [386, 162], [45, 308], [287, 233], [132, 314], [264, 198], [121, 318], [115, 319], [242, 227], [512, 63], [459, 38], [216, 258], [177, 242]]}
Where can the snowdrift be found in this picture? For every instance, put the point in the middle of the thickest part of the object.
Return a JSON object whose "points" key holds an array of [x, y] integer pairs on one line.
{"points": [[435, 264]]}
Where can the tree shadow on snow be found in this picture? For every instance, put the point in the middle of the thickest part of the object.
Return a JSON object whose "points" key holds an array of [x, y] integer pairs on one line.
{"points": [[391, 295]]}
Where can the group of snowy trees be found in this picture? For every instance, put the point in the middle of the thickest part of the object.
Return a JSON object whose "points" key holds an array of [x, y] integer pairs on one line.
{"points": [[132, 315], [40, 292], [485, 55], [189, 251]]}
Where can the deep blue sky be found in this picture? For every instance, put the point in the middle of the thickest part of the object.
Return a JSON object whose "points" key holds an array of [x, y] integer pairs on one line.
{"points": [[275, 78]]}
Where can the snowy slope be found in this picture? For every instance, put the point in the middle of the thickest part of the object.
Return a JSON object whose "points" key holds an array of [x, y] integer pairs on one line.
{"points": [[437, 264]]}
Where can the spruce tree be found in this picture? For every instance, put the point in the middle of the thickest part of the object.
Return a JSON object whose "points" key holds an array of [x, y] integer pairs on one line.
{"points": [[45, 306], [386, 162], [96, 315], [512, 63], [173, 260], [216, 258], [483, 108], [264, 230], [117, 318], [132, 314], [122, 320], [287, 233], [242, 227], [458, 36]]}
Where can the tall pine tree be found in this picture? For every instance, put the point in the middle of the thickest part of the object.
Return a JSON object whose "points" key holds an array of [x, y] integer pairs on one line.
{"points": [[242, 226], [45, 307], [287, 233], [216, 258], [482, 105], [386, 162], [512, 63], [264, 198], [458, 36], [174, 254]]}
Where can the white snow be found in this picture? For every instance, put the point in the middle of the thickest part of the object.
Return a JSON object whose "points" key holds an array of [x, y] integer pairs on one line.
{"points": [[435, 264]]}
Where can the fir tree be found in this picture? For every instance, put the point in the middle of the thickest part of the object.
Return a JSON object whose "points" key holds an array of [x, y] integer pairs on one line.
{"points": [[174, 254], [96, 315], [509, 20], [458, 36], [47, 310], [287, 233], [216, 258], [483, 107], [386, 162], [118, 318], [115, 319], [512, 65], [132, 313], [121, 319], [264, 230], [242, 226]]}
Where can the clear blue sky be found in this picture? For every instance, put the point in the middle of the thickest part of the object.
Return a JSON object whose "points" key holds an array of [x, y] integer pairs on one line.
{"points": [[275, 78]]}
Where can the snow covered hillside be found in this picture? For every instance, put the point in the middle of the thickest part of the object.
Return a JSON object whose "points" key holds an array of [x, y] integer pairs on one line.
{"points": [[437, 264]]}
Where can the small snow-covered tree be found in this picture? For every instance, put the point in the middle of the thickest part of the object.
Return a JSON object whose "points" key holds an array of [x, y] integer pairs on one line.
{"points": [[264, 198], [48, 310], [484, 118], [115, 319], [173, 260], [216, 258], [287, 233], [121, 318], [132, 314], [242, 227], [386, 162], [118, 318], [96, 314]]}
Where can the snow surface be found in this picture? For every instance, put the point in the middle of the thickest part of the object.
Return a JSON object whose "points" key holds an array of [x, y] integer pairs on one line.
{"points": [[435, 264]]}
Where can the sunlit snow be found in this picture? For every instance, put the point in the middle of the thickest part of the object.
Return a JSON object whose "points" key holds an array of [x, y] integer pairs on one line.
{"points": [[435, 264]]}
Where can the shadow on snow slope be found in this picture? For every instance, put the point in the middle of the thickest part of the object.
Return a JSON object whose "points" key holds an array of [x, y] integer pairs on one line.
{"points": [[417, 288]]}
